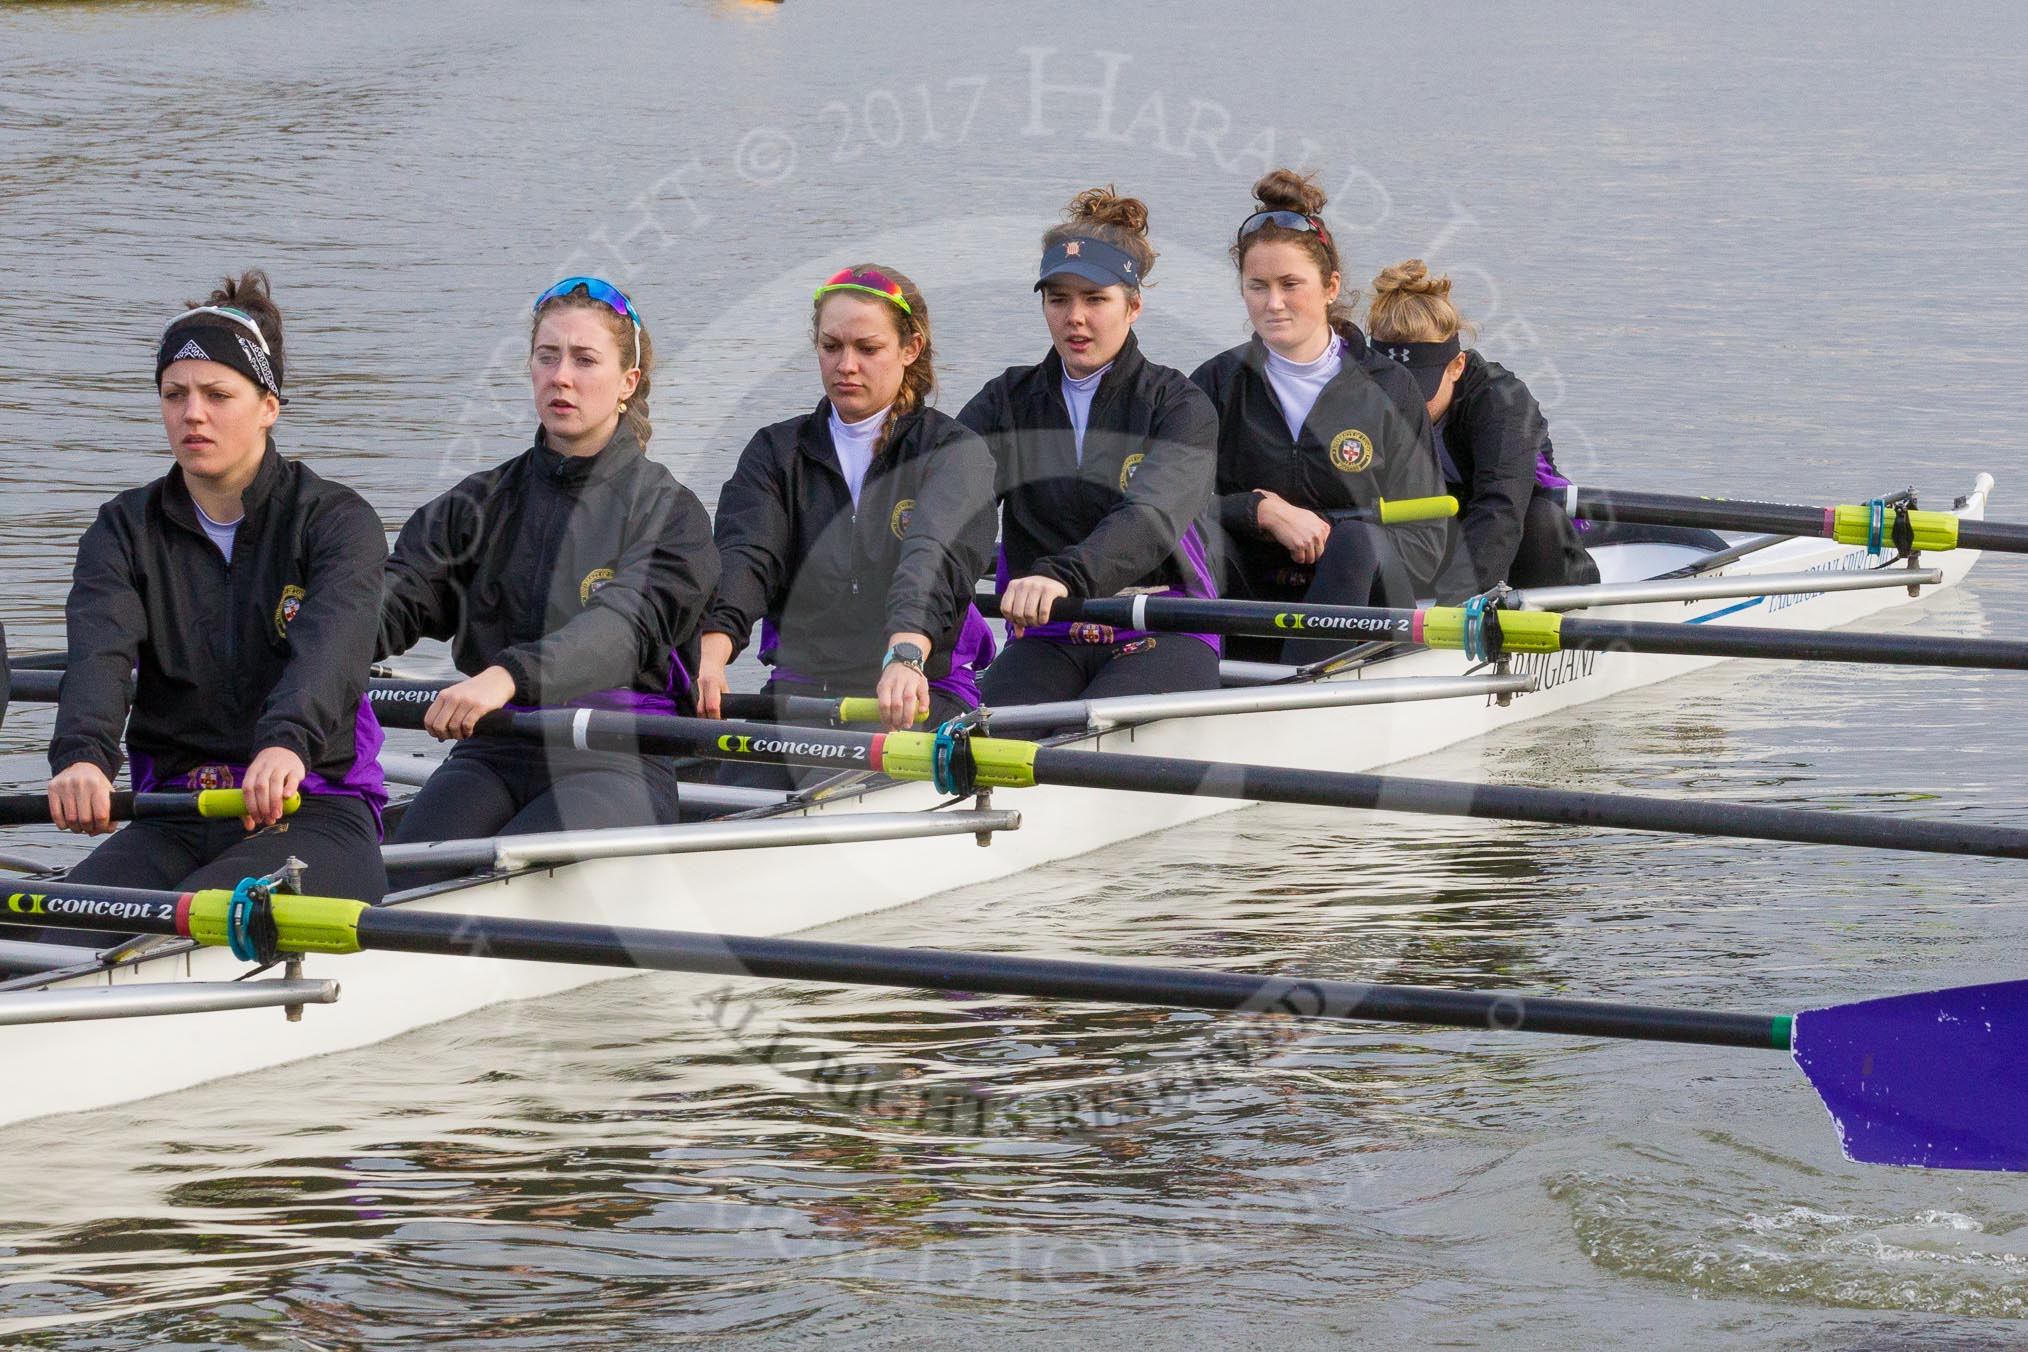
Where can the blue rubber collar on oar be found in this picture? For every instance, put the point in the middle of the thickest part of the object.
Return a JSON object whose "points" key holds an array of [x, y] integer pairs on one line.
{"points": [[250, 923], [1876, 524], [951, 765], [1475, 630]]}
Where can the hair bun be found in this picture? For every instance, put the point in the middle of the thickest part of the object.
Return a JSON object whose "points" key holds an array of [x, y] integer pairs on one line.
{"points": [[1411, 278], [1287, 190], [1104, 206]]}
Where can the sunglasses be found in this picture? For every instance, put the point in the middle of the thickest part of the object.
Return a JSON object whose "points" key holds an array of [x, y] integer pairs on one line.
{"points": [[239, 317], [1287, 220], [605, 293], [869, 281]]}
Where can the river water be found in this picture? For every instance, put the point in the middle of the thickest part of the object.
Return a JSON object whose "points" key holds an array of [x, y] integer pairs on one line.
{"points": [[1733, 250]]}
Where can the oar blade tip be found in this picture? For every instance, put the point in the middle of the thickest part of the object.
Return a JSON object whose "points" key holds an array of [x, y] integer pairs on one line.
{"points": [[1933, 1080]]}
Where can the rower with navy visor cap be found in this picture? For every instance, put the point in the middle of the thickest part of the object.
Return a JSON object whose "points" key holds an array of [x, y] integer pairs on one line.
{"points": [[1104, 467], [573, 574], [219, 629]]}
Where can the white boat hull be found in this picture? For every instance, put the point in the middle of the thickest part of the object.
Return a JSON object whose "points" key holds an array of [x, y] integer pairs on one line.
{"points": [[68, 1067]]}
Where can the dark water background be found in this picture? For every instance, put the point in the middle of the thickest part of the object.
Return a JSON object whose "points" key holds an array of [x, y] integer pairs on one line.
{"points": [[1775, 252]]}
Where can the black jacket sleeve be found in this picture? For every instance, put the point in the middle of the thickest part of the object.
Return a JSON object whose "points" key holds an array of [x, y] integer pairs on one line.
{"points": [[105, 624], [1166, 496], [658, 592], [1238, 503], [331, 638], [949, 538], [984, 414], [1506, 428], [422, 592], [754, 542], [1409, 469]]}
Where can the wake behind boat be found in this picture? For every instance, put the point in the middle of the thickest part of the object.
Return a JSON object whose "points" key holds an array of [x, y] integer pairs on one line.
{"points": [[859, 844]]}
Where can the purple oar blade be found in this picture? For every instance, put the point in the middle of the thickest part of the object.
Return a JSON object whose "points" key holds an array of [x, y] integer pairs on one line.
{"points": [[1934, 1079]]}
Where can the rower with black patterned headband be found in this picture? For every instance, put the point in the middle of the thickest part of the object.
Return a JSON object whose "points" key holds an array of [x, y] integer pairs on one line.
{"points": [[1492, 440], [854, 534], [224, 614], [574, 574], [1105, 466], [1316, 429]]}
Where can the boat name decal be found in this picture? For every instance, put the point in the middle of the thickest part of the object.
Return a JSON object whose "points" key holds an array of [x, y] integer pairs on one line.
{"points": [[1553, 669], [1857, 561], [41, 903]]}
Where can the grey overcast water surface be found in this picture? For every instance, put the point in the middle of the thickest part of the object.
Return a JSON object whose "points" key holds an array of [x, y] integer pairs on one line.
{"points": [[1737, 249]]}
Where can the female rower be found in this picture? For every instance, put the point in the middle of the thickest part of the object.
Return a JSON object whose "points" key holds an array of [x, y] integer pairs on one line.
{"points": [[1492, 439], [1104, 467], [573, 574], [1315, 429], [854, 534], [224, 614]]}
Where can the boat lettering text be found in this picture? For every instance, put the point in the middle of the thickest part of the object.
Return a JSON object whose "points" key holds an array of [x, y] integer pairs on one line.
{"points": [[1553, 669]]}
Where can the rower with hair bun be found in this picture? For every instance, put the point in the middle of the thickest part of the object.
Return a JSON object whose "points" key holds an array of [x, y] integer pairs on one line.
{"points": [[854, 534], [224, 614], [1105, 464], [573, 574], [1315, 429], [1491, 438]]}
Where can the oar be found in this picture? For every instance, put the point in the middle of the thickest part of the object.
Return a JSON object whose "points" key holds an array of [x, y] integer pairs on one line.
{"points": [[989, 762], [32, 809], [1938, 1080], [1852, 524], [1488, 633]]}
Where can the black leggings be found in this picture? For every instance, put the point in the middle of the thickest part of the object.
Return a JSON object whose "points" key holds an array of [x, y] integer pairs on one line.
{"points": [[1360, 566], [500, 786], [335, 837], [1042, 671]]}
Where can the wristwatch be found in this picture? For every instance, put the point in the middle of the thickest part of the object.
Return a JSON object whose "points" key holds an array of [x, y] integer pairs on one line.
{"points": [[908, 654]]}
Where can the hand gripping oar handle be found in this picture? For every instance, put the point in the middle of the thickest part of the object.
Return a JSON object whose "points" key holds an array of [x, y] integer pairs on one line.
{"points": [[32, 809]]}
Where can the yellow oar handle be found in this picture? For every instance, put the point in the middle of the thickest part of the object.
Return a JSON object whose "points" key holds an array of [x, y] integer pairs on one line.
{"points": [[302, 924], [866, 709], [232, 803], [1409, 510], [1853, 525]]}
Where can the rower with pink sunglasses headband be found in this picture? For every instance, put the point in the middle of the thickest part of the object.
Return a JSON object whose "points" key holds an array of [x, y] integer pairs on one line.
{"points": [[853, 535], [574, 574]]}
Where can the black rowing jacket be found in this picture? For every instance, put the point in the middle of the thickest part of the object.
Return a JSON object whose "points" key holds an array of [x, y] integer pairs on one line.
{"points": [[1126, 514], [1498, 443], [834, 581], [583, 577], [1367, 438], [220, 661]]}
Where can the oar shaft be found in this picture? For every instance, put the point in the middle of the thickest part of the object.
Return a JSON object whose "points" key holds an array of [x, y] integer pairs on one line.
{"points": [[1706, 640], [410, 930], [1831, 523], [32, 809]]}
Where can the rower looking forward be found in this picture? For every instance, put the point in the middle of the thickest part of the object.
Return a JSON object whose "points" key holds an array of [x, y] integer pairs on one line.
{"points": [[573, 574], [854, 534], [1492, 440], [1104, 468], [224, 614], [1315, 429]]}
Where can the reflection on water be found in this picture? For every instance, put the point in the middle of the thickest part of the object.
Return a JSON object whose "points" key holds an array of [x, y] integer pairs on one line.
{"points": [[661, 1158]]}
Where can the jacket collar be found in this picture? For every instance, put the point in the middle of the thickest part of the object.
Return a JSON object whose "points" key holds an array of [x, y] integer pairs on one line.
{"points": [[180, 507], [577, 470], [813, 439], [1125, 370]]}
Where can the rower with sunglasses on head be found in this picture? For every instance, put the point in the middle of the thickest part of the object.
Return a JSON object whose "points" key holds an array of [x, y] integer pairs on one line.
{"points": [[1315, 430], [854, 535], [1492, 439], [224, 614], [573, 574], [1105, 465]]}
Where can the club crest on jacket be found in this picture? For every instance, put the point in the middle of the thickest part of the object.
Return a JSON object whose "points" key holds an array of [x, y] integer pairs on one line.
{"points": [[1351, 450], [898, 519], [286, 609], [1127, 468], [596, 578]]}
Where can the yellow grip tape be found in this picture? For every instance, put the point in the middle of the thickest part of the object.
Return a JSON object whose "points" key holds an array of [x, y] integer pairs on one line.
{"points": [[1933, 530], [1417, 509], [865, 709], [306, 924], [232, 803], [1002, 763]]}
